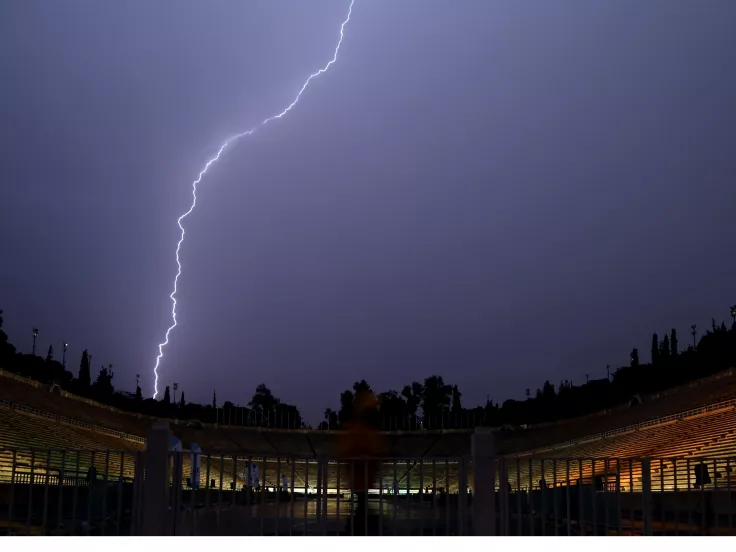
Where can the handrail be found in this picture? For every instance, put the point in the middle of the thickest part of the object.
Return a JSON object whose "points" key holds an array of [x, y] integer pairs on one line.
{"points": [[69, 421]]}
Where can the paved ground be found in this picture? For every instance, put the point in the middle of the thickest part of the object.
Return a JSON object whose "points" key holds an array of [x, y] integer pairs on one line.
{"points": [[385, 517]]}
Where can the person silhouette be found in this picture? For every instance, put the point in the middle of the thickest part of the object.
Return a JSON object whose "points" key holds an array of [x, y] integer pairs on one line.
{"points": [[360, 445]]}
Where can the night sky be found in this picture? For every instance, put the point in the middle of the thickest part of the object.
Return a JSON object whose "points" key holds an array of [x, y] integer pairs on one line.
{"points": [[498, 192]]}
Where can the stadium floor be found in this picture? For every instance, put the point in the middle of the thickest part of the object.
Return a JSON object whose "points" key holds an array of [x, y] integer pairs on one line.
{"points": [[402, 518]]}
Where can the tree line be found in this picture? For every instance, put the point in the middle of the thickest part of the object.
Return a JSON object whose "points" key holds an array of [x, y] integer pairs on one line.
{"points": [[429, 404], [263, 409]]}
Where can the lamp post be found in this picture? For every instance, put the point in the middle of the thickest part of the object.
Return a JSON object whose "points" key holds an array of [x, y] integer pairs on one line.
{"points": [[694, 331], [63, 354], [35, 335]]}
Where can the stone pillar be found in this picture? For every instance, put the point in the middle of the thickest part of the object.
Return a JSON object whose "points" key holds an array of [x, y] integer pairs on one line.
{"points": [[155, 504], [483, 453]]}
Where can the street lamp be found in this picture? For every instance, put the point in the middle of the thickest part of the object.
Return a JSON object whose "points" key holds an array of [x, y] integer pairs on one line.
{"points": [[63, 354], [35, 335]]}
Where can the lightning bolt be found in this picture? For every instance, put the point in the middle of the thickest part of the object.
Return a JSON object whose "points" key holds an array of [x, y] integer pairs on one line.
{"points": [[212, 161]]}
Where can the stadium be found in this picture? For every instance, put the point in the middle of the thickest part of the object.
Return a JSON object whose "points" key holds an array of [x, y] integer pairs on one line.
{"points": [[660, 464]]}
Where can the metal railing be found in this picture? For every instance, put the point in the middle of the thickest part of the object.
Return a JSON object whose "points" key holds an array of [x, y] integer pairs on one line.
{"points": [[244, 495], [79, 492], [68, 492], [617, 496]]}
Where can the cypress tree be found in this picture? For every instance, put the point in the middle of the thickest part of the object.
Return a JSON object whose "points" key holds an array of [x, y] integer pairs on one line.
{"points": [[634, 358], [655, 349], [673, 342], [664, 352], [84, 376]]}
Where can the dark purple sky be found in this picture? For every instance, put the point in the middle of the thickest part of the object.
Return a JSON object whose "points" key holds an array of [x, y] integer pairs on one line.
{"points": [[497, 192]]}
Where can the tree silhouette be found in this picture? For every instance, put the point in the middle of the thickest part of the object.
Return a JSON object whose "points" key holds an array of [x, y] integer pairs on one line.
{"points": [[84, 373], [268, 410], [103, 387], [664, 351], [440, 401], [7, 350], [673, 342], [263, 400], [361, 386], [345, 414], [694, 332], [330, 420], [50, 354], [655, 349], [456, 402], [436, 402], [5, 347], [413, 395]]}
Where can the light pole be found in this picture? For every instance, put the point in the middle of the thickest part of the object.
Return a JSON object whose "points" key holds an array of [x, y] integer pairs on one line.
{"points": [[694, 331], [63, 354], [137, 379], [35, 335]]}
